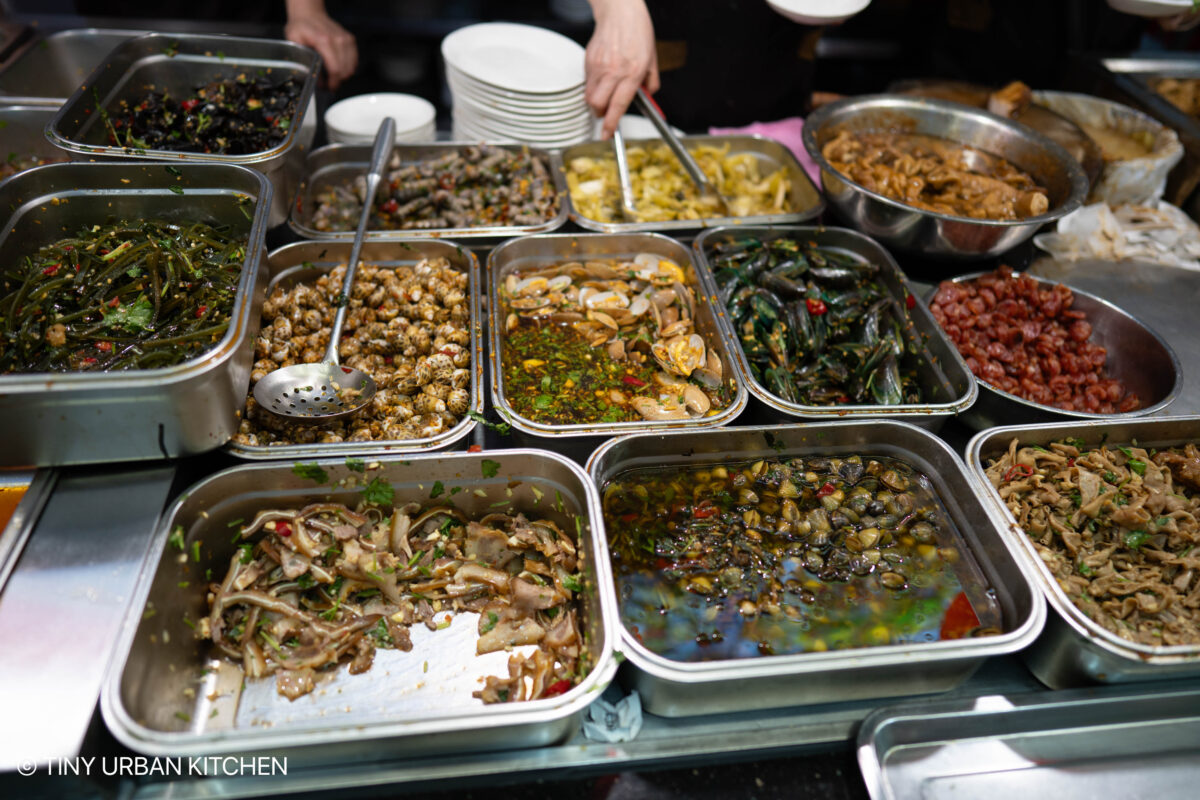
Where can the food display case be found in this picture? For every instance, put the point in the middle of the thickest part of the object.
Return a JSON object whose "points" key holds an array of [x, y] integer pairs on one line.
{"points": [[130, 491]]}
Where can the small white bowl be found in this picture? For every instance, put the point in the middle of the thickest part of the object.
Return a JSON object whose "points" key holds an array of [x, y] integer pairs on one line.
{"points": [[818, 12], [360, 116]]}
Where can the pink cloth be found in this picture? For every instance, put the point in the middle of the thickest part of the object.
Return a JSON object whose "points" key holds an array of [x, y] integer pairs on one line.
{"points": [[786, 132]]}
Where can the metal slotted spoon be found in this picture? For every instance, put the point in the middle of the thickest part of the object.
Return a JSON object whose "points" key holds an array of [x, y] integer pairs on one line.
{"points": [[327, 391]]}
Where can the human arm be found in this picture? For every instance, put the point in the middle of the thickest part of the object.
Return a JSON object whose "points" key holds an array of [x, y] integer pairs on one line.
{"points": [[309, 24], [620, 58]]}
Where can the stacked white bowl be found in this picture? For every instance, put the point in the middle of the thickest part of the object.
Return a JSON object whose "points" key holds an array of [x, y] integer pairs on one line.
{"points": [[356, 119], [517, 83]]}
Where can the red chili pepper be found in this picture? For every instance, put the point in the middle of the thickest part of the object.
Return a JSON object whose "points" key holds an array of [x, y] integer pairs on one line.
{"points": [[843, 398], [662, 563], [200, 311], [475, 448], [116, 301], [391, 206], [52, 269], [87, 362], [703, 511], [446, 351], [1070, 462], [815, 307], [826, 490], [188, 105], [910, 301], [68, 248], [1024, 470], [960, 618], [283, 529], [104, 346], [557, 688], [446, 182], [632, 381]]}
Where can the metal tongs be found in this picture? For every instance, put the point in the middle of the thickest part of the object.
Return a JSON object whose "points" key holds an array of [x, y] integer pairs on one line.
{"points": [[627, 206], [653, 113]]}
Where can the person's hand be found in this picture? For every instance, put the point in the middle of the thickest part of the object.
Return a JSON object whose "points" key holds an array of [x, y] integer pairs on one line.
{"points": [[309, 24], [620, 58]]}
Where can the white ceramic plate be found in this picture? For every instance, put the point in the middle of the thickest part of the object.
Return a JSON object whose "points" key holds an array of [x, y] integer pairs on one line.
{"points": [[515, 124], [516, 57], [361, 115], [1152, 8], [465, 132], [818, 12], [460, 79], [519, 107], [546, 138]]}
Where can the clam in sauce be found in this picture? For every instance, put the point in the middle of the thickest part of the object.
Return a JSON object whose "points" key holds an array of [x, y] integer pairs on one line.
{"points": [[608, 341], [783, 556]]}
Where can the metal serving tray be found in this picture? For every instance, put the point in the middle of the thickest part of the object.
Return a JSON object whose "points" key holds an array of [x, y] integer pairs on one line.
{"points": [[1074, 650], [177, 63], [325, 256], [941, 370], [73, 418], [772, 155], [1075, 746], [579, 440], [165, 696], [1137, 356], [48, 71], [14, 535], [674, 688], [336, 164], [21, 132]]}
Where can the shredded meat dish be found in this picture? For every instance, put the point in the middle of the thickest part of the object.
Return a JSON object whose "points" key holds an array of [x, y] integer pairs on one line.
{"points": [[936, 174], [318, 586], [1022, 336], [1117, 527], [407, 326]]}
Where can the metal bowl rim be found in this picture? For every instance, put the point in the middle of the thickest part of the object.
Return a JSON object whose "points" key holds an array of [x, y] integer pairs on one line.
{"points": [[1176, 367], [1074, 172]]}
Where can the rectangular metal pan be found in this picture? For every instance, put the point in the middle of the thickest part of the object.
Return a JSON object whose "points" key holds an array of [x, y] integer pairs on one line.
{"points": [[1073, 745], [156, 697], [942, 372], [673, 688], [13, 536], [51, 419], [579, 440], [805, 197], [178, 63], [48, 70], [323, 257], [1073, 650], [336, 164], [22, 133]]}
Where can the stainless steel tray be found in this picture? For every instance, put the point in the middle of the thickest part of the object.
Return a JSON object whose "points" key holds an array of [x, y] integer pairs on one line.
{"points": [[48, 70], [943, 374], [772, 155], [672, 688], [1072, 745], [22, 132], [177, 63], [25, 516], [72, 418], [323, 257], [336, 164], [1137, 355], [400, 706], [579, 440], [1073, 649]]}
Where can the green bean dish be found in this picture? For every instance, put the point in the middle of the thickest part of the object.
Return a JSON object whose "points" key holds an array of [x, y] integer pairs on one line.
{"points": [[135, 294], [782, 556]]}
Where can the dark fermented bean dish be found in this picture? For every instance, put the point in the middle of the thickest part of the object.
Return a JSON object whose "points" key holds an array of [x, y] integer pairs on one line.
{"points": [[407, 327], [248, 114], [475, 187], [126, 295], [611, 340], [817, 325], [936, 174], [314, 587], [1022, 336], [1117, 528], [787, 556]]}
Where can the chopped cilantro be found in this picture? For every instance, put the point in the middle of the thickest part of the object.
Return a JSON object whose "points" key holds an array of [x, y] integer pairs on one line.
{"points": [[502, 428], [305, 581], [492, 619], [1084, 569], [572, 583], [1126, 451], [1135, 539], [183, 716], [380, 634], [172, 170], [1161, 521], [1137, 466], [489, 468], [247, 553], [135, 316], [438, 490], [543, 401], [1076, 442], [356, 465], [455, 490], [378, 492], [1110, 477], [175, 189], [311, 471], [547, 383]]}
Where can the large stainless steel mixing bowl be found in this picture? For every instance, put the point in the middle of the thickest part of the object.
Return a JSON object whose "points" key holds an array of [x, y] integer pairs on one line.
{"points": [[903, 227]]}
